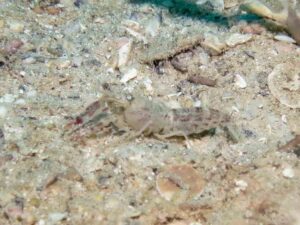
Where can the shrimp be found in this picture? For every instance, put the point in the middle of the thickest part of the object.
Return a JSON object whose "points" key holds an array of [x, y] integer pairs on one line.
{"points": [[143, 116]]}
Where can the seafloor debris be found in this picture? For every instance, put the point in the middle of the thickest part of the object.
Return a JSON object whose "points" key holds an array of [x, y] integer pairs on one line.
{"points": [[179, 183], [125, 47], [143, 116], [240, 81], [289, 18], [284, 83], [198, 79], [292, 145]]}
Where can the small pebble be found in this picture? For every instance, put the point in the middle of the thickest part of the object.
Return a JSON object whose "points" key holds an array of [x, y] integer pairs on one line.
{"points": [[197, 79], [29, 60], [197, 104], [288, 172], [56, 217], [241, 185], [284, 119], [240, 81]]}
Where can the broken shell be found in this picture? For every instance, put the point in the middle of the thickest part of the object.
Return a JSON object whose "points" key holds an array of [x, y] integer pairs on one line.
{"points": [[237, 39], [179, 181], [129, 75], [284, 83], [125, 46], [240, 81]]}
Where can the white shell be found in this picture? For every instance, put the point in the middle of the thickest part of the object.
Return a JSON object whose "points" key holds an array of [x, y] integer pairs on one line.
{"points": [[284, 38], [129, 75]]}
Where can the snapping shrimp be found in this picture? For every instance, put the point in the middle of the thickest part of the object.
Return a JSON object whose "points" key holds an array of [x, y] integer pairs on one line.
{"points": [[146, 117]]}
